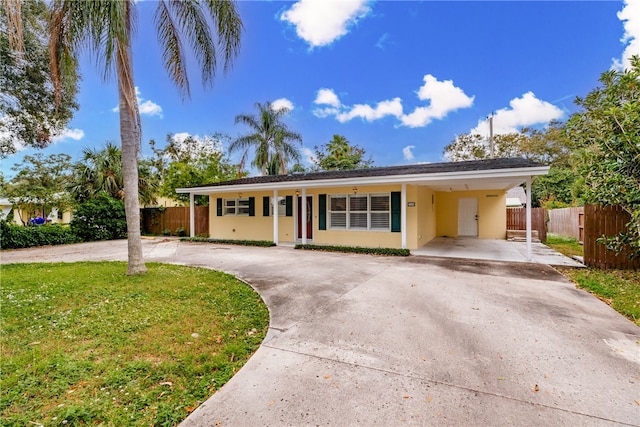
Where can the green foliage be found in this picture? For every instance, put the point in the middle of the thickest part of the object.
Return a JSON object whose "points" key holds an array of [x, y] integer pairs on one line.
{"points": [[606, 135], [554, 190], [191, 162], [84, 344], [261, 243], [339, 154], [14, 236], [270, 138], [100, 218], [38, 186], [100, 171], [357, 250], [28, 114]]}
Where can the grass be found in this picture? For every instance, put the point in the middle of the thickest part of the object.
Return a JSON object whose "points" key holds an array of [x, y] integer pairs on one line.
{"points": [[618, 288], [85, 344]]}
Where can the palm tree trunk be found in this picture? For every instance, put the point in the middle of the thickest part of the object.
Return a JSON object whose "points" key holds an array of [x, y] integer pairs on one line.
{"points": [[130, 138]]}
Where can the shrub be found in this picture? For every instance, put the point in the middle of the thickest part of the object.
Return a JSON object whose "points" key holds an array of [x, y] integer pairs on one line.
{"points": [[101, 218], [263, 243], [14, 236], [180, 231], [357, 250]]}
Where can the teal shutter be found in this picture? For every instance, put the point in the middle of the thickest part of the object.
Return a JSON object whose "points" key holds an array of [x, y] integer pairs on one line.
{"points": [[265, 206], [396, 210], [219, 206], [252, 206], [322, 214], [289, 205]]}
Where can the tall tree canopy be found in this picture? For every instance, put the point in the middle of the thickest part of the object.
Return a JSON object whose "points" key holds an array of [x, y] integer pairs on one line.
{"points": [[100, 171], [270, 137], [38, 186], [29, 116], [606, 134], [190, 162], [210, 27], [339, 154]]}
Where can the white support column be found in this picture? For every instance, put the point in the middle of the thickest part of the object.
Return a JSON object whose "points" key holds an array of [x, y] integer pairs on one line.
{"points": [[303, 220], [403, 215], [528, 191], [275, 217], [192, 215]]}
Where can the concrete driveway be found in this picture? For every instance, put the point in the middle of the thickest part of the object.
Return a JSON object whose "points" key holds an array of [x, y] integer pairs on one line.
{"points": [[410, 341]]}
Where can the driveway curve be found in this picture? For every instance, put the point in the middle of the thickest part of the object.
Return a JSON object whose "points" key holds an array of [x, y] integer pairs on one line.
{"points": [[364, 340]]}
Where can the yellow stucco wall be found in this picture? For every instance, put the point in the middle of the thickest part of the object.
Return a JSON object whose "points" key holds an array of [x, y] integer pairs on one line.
{"points": [[492, 214], [432, 214]]}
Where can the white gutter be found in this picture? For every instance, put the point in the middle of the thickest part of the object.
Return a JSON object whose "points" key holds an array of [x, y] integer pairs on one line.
{"points": [[425, 178]]}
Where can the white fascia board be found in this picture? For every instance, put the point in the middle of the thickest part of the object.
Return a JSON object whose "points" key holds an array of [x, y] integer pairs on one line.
{"points": [[373, 180]]}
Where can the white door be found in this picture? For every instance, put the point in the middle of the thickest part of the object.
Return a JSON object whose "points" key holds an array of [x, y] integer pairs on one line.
{"points": [[468, 217]]}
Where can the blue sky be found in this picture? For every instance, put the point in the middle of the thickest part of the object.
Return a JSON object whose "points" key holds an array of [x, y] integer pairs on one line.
{"points": [[399, 78]]}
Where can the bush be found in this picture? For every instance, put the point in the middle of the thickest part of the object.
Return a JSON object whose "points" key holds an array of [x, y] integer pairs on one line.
{"points": [[14, 236], [357, 250], [263, 243], [101, 218]]}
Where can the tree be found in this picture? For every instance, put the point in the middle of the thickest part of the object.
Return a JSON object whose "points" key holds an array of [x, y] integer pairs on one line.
{"points": [[190, 162], [606, 135], [271, 138], [38, 186], [100, 171], [29, 116], [338, 154], [106, 28]]}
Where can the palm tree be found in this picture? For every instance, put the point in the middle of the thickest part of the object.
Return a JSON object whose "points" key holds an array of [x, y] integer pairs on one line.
{"points": [[100, 171], [270, 138], [106, 27]]}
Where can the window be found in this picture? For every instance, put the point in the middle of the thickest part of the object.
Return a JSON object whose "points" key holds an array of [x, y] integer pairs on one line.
{"points": [[236, 206], [360, 212]]}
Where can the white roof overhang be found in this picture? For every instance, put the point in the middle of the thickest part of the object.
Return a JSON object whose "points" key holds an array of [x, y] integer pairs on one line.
{"points": [[491, 179]]}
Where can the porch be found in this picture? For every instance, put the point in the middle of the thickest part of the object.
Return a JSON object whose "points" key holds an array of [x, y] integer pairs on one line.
{"points": [[493, 249]]}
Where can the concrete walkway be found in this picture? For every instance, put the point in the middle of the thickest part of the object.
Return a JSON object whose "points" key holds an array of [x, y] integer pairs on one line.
{"points": [[364, 340]]}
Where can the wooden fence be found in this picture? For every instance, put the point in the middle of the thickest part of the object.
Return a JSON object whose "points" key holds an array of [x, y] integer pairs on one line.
{"points": [[567, 222], [160, 220], [517, 220], [606, 221]]}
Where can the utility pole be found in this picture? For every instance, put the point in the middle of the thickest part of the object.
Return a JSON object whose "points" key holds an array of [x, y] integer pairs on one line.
{"points": [[491, 150]]}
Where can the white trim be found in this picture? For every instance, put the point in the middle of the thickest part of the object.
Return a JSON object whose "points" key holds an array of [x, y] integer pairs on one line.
{"points": [[303, 220], [425, 178], [528, 210], [403, 215], [275, 217], [192, 215]]}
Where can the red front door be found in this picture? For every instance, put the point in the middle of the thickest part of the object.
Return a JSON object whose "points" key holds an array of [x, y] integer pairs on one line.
{"points": [[309, 216]]}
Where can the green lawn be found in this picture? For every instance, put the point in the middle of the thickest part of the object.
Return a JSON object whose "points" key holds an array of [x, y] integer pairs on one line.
{"points": [[85, 344], [618, 288]]}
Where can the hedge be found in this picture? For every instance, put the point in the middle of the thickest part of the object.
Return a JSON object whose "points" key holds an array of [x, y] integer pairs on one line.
{"points": [[357, 250], [263, 243], [14, 236]]}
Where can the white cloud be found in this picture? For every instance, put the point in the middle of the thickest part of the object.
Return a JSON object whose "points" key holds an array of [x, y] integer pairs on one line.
{"points": [[630, 16], [524, 111], [75, 134], [321, 22], [443, 98], [407, 153], [391, 107], [282, 103], [308, 155], [207, 144], [147, 108], [327, 97]]}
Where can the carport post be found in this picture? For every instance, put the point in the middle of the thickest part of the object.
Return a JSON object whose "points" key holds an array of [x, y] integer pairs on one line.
{"points": [[303, 221], [275, 217], [403, 215], [528, 209], [192, 215]]}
